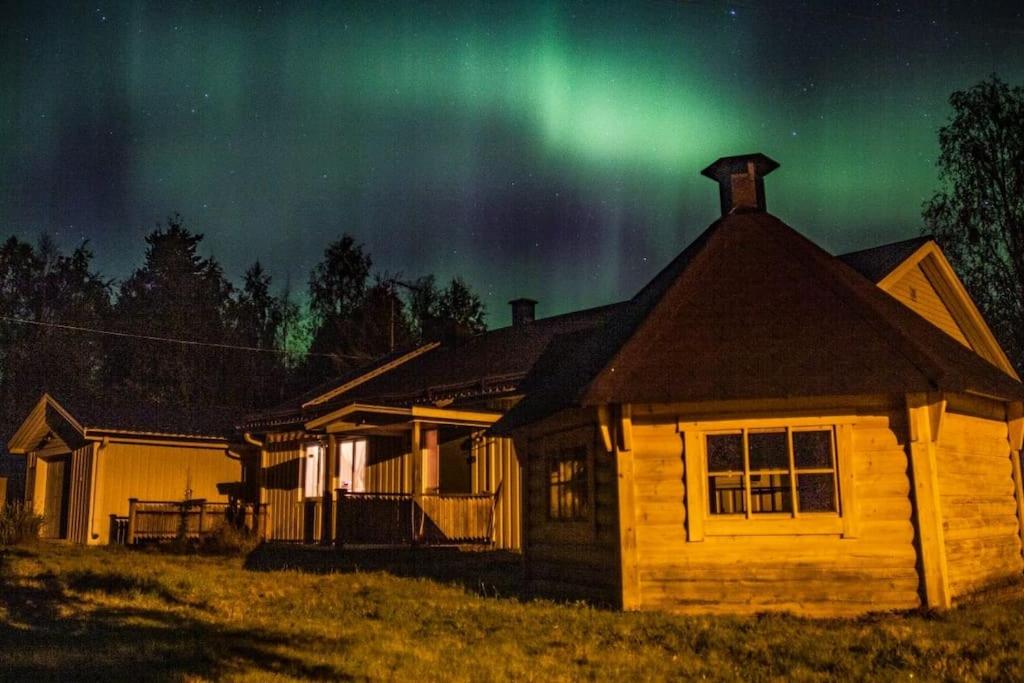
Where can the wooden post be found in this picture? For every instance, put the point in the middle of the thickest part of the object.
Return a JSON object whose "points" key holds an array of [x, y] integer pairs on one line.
{"points": [[627, 529], [1015, 436], [921, 414], [339, 523], [202, 517], [132, 505], [693, 474], [327, 505]]}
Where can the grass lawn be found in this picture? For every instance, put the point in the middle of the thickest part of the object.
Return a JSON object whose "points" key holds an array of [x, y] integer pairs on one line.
{"points": [[70, 612]]}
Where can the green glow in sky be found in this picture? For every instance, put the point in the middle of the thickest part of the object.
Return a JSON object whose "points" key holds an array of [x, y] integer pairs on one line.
{"points": [[549, 151]]}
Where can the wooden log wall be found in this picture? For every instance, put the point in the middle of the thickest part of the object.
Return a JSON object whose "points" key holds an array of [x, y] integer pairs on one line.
{"points": [[572, 560], [818, 574], [979, 510]]}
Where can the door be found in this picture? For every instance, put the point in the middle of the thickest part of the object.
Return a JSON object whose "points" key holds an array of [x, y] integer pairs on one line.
{"points": [[55, 503]]}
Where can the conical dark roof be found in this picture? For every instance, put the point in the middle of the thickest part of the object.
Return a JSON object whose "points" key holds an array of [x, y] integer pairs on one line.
{"points": [[752, 309]]}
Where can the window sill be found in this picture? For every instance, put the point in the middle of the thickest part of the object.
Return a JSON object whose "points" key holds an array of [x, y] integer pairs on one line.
{"points": [[807, 525]]}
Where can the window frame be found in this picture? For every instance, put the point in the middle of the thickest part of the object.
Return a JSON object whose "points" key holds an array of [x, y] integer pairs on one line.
{"points": [[749, 475], [552, 460], [701, 522]]}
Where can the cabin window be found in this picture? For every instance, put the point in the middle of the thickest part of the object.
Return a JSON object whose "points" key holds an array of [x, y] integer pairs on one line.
{"points": [[777, 472], [568, 485], [313, 471], [351, 466]]}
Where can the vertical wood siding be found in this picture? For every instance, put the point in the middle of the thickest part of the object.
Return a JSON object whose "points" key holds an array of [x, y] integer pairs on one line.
{"points": [[916, 291], [156, 472], [387, 462], [495, 462], [976, 495], [388, 470], [80, 496], [281, 483]]}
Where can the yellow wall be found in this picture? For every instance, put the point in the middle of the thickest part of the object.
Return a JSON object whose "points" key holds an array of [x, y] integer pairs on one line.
{"points": [[155, 472], [495, 462], [821, 574], [976, 496], [916, 291]]}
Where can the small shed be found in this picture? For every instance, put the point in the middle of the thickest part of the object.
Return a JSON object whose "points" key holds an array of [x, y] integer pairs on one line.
{"points": [[85, 464], [765, 426]]}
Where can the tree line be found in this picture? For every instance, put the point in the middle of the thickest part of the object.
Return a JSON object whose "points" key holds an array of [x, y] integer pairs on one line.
{"points": [[249, 346]]}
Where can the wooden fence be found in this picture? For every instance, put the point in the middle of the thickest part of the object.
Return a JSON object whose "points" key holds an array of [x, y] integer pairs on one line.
{"points": [[150, 520], [402, 518]]}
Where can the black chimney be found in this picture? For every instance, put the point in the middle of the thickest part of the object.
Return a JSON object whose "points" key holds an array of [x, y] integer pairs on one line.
{"points": [[523, 311], [741, 181]]}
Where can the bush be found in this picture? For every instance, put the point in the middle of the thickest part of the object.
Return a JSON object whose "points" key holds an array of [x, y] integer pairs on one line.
{"points": [[18, 524], [228, 539]]}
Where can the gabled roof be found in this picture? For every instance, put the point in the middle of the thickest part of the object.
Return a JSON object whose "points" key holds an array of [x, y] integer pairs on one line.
{"points": [[489, 364], [752, 309], [878, 262], [82, 420]]}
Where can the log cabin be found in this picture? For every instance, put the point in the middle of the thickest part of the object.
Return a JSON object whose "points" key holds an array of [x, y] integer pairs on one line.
{"points": [[396, 452], [767, 427], [85, 464]]}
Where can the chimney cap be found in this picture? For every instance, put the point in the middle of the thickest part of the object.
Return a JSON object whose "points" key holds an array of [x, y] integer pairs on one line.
{"points": [[726, 166], [522, 300]]}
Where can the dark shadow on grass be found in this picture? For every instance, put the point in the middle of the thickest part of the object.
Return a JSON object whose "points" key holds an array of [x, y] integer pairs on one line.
{"points": [[39, 641], [493, 573]]}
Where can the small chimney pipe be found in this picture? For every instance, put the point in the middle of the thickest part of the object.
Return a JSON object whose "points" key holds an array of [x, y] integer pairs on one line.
{"points": [[524, 311], [741, 181]]}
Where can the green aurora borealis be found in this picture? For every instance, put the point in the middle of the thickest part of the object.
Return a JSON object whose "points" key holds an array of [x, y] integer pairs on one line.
{"points": [[549, 150]]}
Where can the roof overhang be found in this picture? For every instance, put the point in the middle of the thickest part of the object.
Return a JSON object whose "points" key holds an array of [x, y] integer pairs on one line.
{"points": [[46, 418], [49, 418], [370, 374], [362, 416]]}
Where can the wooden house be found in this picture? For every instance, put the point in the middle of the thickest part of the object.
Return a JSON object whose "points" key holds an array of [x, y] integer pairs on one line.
{"points": [[85, 464], [396, 452], [765, 426]]}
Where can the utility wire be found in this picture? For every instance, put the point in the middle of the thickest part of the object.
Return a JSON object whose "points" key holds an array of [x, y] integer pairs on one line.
{"points": [[170, 340]]}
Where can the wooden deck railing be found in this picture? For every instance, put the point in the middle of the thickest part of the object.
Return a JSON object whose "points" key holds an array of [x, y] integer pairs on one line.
{"points": [[150, 520], [402, 518]]}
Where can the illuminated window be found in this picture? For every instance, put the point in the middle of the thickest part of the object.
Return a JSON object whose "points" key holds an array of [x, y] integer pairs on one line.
{"points": [[772, 471], [568, 484], [313, 471]]}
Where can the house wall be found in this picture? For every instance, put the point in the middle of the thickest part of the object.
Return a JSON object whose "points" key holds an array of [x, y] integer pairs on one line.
{"points": [[571, 560], [915, 290], [155, 471], [813, 573], [281, 482], [495, 463], [976, 497]]}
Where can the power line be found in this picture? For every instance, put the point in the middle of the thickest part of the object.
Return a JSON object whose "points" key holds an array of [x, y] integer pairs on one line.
{"points": [[171, 340]]}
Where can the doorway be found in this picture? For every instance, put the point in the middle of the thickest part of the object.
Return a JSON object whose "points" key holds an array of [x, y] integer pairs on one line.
{"points": [[55, 497]]}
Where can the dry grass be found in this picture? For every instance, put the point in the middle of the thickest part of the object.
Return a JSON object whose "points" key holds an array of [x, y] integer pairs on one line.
{"points": [[68, 612]]}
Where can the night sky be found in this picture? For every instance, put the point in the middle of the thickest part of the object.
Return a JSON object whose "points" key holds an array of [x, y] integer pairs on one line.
{"points": [[545, 150]]}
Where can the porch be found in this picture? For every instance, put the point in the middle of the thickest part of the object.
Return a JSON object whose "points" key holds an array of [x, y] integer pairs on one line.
{"points": [[407, 519], [154, 521]]}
